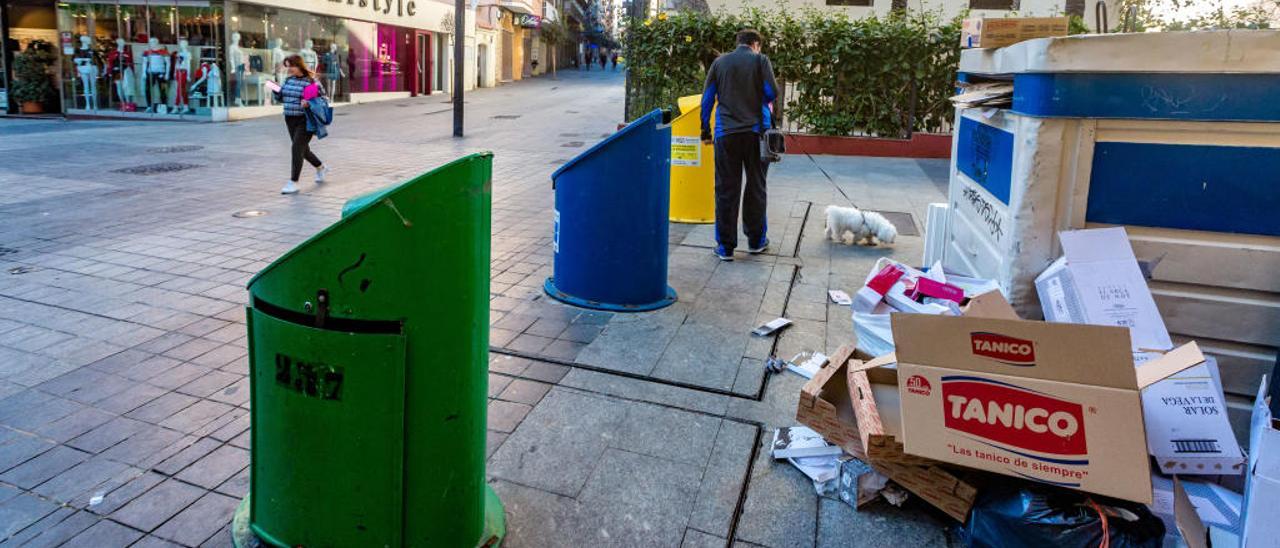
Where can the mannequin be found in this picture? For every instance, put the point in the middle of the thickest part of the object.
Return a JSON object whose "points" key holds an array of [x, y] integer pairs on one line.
{"points": [[308, 54], [87, 61], [181, 71], [120, 68], [277, 60], [209, 75], [155, 65], [332, 69], [236, 60]]}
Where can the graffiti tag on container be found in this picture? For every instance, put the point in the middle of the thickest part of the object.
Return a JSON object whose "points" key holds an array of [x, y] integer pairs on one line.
{"points": [[311, 379], [990, 216]]}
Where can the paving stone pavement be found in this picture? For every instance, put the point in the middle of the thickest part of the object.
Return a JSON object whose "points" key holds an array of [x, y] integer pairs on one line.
{"points": [[124, 399]]}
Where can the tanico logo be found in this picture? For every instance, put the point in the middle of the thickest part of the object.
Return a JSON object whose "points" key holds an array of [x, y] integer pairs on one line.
{"points": [[1014, 416], [1003, 348]]}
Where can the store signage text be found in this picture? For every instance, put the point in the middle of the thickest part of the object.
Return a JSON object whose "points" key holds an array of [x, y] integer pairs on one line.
{"points": [[402, 7], [528, 21]]}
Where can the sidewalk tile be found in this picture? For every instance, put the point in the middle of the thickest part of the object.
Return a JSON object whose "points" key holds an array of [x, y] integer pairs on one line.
{"points": [[156, 506], [104, 533]]}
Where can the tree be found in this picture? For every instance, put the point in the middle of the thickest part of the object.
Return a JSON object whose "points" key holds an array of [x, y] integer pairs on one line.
{"points": [[1175, 15], [555, 35]]}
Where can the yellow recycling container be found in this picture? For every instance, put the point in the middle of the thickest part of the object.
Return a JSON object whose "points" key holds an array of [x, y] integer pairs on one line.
{"points": [[693, 166]]}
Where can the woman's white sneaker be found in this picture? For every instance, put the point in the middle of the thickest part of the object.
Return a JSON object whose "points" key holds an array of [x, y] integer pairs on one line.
{"points": [[320, 173], [289, 188]]}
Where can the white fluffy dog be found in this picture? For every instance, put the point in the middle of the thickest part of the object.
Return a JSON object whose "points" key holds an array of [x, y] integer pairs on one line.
{"points": [[866, 226]]}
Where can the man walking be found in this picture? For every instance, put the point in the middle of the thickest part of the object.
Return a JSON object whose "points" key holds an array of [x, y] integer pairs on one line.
{"points": [[740, 87]]}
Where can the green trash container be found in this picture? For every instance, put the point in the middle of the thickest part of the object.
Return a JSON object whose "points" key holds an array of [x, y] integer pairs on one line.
{"points": [[368, 352]]}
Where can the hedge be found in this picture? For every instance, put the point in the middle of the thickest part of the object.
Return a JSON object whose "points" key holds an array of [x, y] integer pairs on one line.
{"points": [[878, 76]]}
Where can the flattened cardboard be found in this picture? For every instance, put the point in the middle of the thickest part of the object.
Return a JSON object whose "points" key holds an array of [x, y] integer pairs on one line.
{"points": [[827, 406], [991, 304], [1189, 525], [1262, 486], [1056, 403]]}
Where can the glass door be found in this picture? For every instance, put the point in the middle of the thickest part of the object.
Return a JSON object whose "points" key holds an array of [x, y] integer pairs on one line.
{"points": [[423, 65]]}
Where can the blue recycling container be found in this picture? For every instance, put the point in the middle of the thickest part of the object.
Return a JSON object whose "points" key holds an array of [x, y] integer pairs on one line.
{"points": [[611, 221]]}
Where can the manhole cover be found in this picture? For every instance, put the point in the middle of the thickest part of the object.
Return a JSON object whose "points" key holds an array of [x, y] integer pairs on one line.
{"points": [[571, 135], [157, 169], [21, 269], [558, 161], [570, 112], [341, 113], [249, 213], [506, 117], [175, 148], [7, 250], [572, 144], [904, 222], [403, 106]]}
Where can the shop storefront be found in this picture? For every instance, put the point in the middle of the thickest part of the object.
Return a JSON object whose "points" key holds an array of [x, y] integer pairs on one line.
{"points": [[212, 60]]}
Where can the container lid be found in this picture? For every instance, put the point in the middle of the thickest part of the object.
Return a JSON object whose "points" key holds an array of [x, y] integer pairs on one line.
{"points": [[1220, 51]]}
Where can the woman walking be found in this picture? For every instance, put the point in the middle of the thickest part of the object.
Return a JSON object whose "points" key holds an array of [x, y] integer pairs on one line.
{"points": [[300, 86]]}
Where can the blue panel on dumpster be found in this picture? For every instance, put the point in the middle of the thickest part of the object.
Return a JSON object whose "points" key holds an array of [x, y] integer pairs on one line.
{"points": [[1193, 187], [1239, 97], [985, 154]]}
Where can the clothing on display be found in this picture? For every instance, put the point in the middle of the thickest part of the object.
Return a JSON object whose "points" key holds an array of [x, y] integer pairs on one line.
{"points": [[87, 61], [120, 69], [255, 63], [181, 62], [155, 64]]}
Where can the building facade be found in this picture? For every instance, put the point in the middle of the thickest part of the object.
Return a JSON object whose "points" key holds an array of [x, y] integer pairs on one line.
{"points": [[213, 59]]}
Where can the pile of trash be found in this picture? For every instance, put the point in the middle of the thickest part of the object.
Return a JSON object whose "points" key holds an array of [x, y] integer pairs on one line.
{"points": [[1026, 430]]}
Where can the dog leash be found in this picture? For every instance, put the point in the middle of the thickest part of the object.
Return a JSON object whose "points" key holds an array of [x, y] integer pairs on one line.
{"points": [[831, 180]]}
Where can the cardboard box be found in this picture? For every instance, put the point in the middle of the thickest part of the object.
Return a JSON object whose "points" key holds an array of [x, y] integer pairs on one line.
{"points": [[1214, 505], [1187, 427], [979, 32], [827, 404], [1097, 281], [1262, 485], [1056, 403]]}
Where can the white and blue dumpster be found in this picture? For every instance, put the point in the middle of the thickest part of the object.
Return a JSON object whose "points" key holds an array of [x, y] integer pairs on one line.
{"points": [[1175, 136]]}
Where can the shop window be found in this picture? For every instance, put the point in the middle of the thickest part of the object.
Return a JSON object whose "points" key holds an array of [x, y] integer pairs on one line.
{"points": [[261, 38], [130, 56]]}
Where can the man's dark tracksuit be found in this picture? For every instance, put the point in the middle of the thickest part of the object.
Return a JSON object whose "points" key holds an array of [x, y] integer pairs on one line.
{"points": [[740, 87]]}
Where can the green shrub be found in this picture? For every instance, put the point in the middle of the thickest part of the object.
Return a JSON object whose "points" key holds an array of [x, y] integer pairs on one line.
{"points": [[880, 76], [32, 82]]}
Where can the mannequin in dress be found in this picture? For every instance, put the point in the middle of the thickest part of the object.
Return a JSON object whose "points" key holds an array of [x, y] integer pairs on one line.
{"points": [[308, 54], [87, 62], [155, 65], [236, 61], [120, 68], [181, 73], [332, 69]]}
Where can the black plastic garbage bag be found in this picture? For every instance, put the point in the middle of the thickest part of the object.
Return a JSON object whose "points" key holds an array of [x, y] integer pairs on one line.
{"points": [[1039, 516]]}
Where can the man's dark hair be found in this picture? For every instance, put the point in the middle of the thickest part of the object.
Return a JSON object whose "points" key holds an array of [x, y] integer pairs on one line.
{"points": [[748, 37]]}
